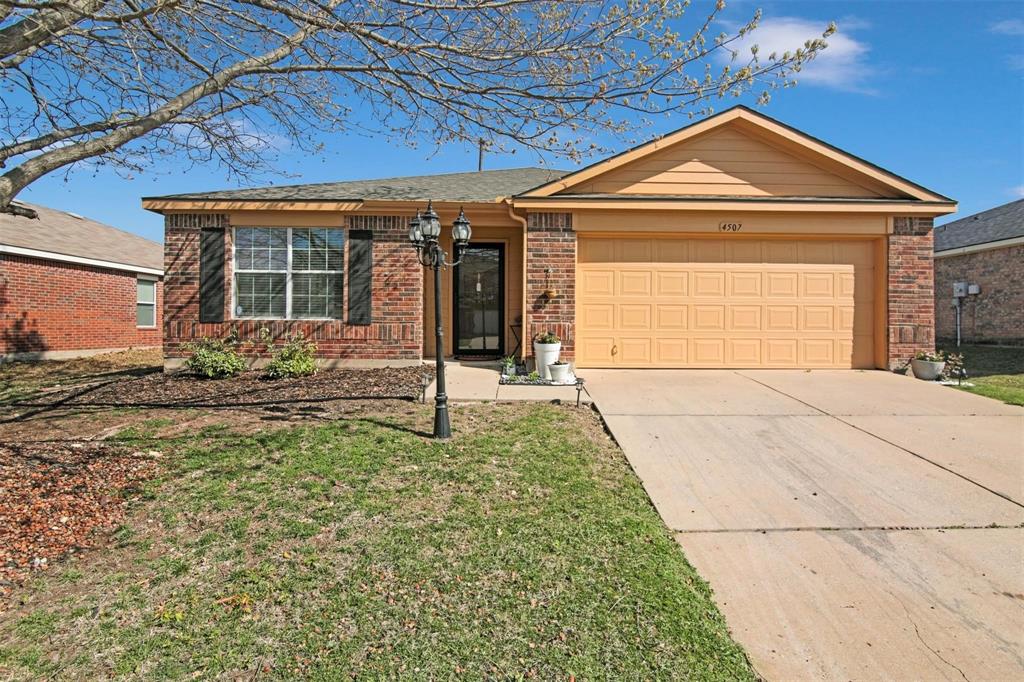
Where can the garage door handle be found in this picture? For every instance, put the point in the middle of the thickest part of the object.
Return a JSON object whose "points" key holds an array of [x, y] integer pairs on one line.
{"points": [[615, 349]]}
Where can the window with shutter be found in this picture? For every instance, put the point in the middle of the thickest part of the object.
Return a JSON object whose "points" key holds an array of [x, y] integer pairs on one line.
{"points": [[288, 272]]}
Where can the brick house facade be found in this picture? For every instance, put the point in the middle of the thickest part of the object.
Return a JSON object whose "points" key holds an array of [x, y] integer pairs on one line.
{"points": [[851, 271], [985, 250], [55, 304]]}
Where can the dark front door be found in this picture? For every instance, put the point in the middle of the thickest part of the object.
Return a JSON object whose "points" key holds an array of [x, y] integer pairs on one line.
{"points": [[479, 297]]}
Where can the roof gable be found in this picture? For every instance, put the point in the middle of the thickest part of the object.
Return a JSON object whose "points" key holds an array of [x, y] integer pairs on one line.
{"points": [[738, 153]]}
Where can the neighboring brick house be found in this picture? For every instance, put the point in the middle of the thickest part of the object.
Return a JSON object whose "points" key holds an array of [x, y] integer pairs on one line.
{"points": [[70, 286], [985, 250], [737, 241]]}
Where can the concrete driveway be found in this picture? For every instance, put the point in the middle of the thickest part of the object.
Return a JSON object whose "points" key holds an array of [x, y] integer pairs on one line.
{"points": [[853, 525]]}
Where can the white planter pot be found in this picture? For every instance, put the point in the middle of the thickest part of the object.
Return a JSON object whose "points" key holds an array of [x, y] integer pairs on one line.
{"points": [[546, 354], [559, 373], [927, 370]]}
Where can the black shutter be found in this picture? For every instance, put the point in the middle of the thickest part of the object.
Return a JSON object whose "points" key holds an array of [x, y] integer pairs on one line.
{"points": [[211, 275], [360, 276]]}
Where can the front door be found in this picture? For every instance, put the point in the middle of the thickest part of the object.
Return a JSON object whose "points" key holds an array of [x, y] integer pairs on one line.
{"points": [[479, 297]]}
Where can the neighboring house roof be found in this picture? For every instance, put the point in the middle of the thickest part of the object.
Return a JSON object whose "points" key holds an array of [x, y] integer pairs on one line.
{"points": [[71, 237], [480, 186], [994, 225]]}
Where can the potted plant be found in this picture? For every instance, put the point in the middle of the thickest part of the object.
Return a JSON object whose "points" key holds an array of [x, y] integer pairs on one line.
{"points": [[508, 365], [928, 365], [559, 372], [546, 347]]}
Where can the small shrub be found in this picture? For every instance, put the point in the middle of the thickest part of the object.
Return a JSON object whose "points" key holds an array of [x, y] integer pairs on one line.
{"points": [[929, 356], [214, 359], [296, 358]]}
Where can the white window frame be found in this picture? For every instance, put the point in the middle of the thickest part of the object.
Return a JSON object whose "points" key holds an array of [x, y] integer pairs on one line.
{"points": [[156, 296], [288, 274]]}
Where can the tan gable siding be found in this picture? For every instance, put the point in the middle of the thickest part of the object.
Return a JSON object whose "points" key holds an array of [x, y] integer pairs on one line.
{"points": [[725, 162]]}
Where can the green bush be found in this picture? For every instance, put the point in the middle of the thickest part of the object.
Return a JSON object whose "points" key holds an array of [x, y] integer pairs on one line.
{"points": [[297, 358], [214, 359]]}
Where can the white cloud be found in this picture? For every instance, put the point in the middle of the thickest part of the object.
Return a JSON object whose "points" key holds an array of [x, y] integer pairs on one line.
{"points": [[1009, 27], [841, 66], [1017, 191]]}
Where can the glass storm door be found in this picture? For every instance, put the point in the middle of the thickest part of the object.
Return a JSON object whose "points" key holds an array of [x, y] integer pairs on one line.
{"points": [[479, 297]]}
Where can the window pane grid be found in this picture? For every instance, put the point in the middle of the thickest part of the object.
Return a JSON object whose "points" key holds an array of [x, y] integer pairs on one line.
{"points": [[292, 273], [145, 303]]}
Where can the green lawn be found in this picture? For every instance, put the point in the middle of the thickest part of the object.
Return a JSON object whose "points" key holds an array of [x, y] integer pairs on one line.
{"points": [[524, 548], [996, 371]]}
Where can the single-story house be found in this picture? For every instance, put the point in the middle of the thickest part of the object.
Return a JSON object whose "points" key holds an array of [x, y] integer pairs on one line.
{"points": [[70, 286], [984, 255], [736, 241]]}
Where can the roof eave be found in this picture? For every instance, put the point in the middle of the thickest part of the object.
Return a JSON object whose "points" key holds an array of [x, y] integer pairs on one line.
{"points": [[772, 204]]}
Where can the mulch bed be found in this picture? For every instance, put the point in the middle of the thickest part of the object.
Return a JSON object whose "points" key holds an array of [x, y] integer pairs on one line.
{"points": [[58, 498], [246, 389]]}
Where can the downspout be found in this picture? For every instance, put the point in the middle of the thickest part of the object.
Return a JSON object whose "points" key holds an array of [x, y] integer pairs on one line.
{"points": [[525, 342]]}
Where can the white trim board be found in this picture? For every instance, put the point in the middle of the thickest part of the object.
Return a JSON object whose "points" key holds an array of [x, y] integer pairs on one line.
{"points": [[974, 248], [65, 258]]}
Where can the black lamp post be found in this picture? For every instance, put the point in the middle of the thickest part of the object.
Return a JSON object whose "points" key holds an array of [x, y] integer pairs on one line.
{"points": [[424, 233]]}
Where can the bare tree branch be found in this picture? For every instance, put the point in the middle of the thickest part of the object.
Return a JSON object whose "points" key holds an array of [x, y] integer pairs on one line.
{"points": [[125, 83]]}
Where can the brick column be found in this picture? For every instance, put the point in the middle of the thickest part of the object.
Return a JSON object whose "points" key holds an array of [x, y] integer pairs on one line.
{"points": [[911, 289], [181, 280], [551, 264]]}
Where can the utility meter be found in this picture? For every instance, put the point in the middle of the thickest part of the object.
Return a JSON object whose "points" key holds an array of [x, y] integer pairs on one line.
{"points": [[959, 289]]}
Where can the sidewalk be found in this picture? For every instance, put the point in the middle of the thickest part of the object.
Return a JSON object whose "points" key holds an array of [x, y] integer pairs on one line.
{"points": [[472, 381]]}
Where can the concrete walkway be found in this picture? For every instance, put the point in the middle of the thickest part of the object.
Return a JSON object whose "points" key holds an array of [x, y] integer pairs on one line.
{"points": [[475, 381], [853, 525]]}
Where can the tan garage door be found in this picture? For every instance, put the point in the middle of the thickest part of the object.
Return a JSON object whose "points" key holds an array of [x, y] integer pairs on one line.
{"points": [[665, 302]]}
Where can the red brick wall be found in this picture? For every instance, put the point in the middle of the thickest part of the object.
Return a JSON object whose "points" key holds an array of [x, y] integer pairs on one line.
{"points": [[911, 289], [551, 264], [396, 332], [994, 315], [54, 306]]}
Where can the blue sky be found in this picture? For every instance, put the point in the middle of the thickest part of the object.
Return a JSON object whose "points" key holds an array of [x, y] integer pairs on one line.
{"points": [[933, 91]]}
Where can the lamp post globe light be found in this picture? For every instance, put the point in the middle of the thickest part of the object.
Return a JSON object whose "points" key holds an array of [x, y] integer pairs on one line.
{"points": [[424, 234]]}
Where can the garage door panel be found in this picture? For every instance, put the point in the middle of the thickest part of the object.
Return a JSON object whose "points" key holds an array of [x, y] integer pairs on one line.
{"points": [[595, 351], [781, 353], [635, 316], [708, 352], [817, 352], [744, 318], [665, 302], [781, 318], [743, 352], [597, 316], [670, 351], [708, 318], [635, 351], [709, 284], [671, 317], [597, 282], [634, 283], [817, 318], [817, 285], [670, 283], [745, 284]]}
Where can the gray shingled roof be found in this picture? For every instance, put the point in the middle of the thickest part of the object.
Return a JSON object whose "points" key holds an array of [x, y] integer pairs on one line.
{"points": [[483, 186], [993, 225], [68, 234]]}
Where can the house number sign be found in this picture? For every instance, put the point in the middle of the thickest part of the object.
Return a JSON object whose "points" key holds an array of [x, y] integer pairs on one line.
{"points": [[730, 227]]}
